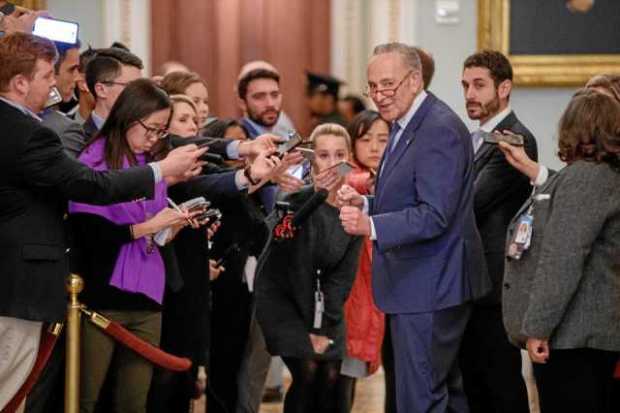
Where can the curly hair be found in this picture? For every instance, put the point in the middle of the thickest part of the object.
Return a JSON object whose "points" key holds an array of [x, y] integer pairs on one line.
{"points": [[589, 129], [609, 84]]}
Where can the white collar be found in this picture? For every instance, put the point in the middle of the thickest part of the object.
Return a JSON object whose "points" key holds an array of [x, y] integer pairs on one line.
{"points": [[98, 120], [492, 123], [417, 102]]}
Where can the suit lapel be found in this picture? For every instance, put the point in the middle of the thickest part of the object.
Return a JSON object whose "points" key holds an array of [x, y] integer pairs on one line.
{"points": [[486, 149], [483, 152], [406, 139]]}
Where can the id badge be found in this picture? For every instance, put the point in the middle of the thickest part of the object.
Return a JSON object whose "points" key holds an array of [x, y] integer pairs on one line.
{"points": [[319, 306], [522, 236]]}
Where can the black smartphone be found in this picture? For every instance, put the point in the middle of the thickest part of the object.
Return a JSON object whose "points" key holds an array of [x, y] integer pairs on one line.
{"points": [[228, 252]]}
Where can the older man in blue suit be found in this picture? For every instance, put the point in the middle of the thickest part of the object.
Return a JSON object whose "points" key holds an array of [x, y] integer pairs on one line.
{"points": [[428, 263]]}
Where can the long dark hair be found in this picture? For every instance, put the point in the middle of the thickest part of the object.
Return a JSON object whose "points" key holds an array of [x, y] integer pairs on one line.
{"points": [[140, 99], [218, 127], [360, 125]]}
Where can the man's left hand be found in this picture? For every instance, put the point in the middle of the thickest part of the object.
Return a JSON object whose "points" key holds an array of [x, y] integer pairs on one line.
{"points": [[354, 221]]}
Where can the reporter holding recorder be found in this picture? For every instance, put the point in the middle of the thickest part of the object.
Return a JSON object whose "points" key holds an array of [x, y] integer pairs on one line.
{"points": [[186, 310], [117, 248], [561, 291], [303, 279], [36, 179]]}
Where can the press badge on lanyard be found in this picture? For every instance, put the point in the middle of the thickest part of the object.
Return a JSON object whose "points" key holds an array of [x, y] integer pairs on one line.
{"points": [[319, 302], [522, 235]]}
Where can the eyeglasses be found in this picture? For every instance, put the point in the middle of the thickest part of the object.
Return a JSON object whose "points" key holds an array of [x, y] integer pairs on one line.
{"points": [[154, 132], [387, 92], [110, 82]]}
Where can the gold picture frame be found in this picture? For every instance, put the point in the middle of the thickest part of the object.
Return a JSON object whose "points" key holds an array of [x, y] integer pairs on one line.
{"points": [[31, 4], [537, 70]]}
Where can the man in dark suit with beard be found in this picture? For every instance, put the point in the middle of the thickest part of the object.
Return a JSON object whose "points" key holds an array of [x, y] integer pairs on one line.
{"points": [[491, 365]]}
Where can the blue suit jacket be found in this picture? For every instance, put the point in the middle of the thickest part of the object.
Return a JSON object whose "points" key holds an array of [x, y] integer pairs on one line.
{"points": [[428, 254]]}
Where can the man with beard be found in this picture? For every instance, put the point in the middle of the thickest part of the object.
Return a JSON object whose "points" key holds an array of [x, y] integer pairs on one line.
{"points": [[260, 100], [491, 365]]}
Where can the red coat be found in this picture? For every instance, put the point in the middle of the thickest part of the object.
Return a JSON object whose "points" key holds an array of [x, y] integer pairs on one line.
{"points": [[365, 323]]}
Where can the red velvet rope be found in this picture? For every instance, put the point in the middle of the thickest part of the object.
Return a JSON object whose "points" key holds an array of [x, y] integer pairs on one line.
{"points": [[154, 354], [46, 345]]}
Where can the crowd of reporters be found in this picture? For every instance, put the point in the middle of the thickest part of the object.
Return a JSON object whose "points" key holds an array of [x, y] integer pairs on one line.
{"points": [[93, 185]]}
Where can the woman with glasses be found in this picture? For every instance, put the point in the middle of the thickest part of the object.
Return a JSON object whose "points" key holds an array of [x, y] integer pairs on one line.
{"points": [[186, 313], [117, 250]]}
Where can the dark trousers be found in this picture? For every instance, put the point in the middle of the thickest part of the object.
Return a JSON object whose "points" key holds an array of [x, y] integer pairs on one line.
{"points": [[426, 347], [387, 356], [314, 388], [491, 366], [578, 380], [229, 339]]}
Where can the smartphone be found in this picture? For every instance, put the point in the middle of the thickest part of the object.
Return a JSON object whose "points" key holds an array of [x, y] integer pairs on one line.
{"points": [[56, 30], [342, 168], [307, 153], [229, 252], [54, 98], [496, 137], [210, 216], [294, 141], [195, 203]]}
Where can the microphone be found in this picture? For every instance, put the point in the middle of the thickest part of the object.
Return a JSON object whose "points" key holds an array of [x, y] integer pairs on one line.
{"points": [[309, 206], [176, 141]]}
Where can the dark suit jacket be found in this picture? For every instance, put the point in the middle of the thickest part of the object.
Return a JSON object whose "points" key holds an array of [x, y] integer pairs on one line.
{"points": [[500, 190], [75, 136], [428, 255], [36, 180]]}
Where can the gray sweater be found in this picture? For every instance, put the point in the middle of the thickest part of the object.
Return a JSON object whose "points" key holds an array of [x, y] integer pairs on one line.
{"points": [[566, 287]]}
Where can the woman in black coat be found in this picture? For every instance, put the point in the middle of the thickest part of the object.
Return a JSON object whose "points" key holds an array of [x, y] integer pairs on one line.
{"points": [[303, 279]]}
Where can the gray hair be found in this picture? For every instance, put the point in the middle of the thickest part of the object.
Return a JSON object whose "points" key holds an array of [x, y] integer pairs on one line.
{"points": [[410, 56]]}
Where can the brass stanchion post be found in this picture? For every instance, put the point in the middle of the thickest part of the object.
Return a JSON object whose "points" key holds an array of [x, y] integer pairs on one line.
{"points": [[75, 284]]}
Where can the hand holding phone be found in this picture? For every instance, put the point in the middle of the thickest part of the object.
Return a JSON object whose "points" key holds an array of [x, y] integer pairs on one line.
{"points": [[509, 138], [342, 168], [294, 141], [56, 30], [308, 154]]}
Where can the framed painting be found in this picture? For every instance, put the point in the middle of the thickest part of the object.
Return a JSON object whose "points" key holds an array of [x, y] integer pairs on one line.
{"points": [[31, 4], [553, 42]]}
